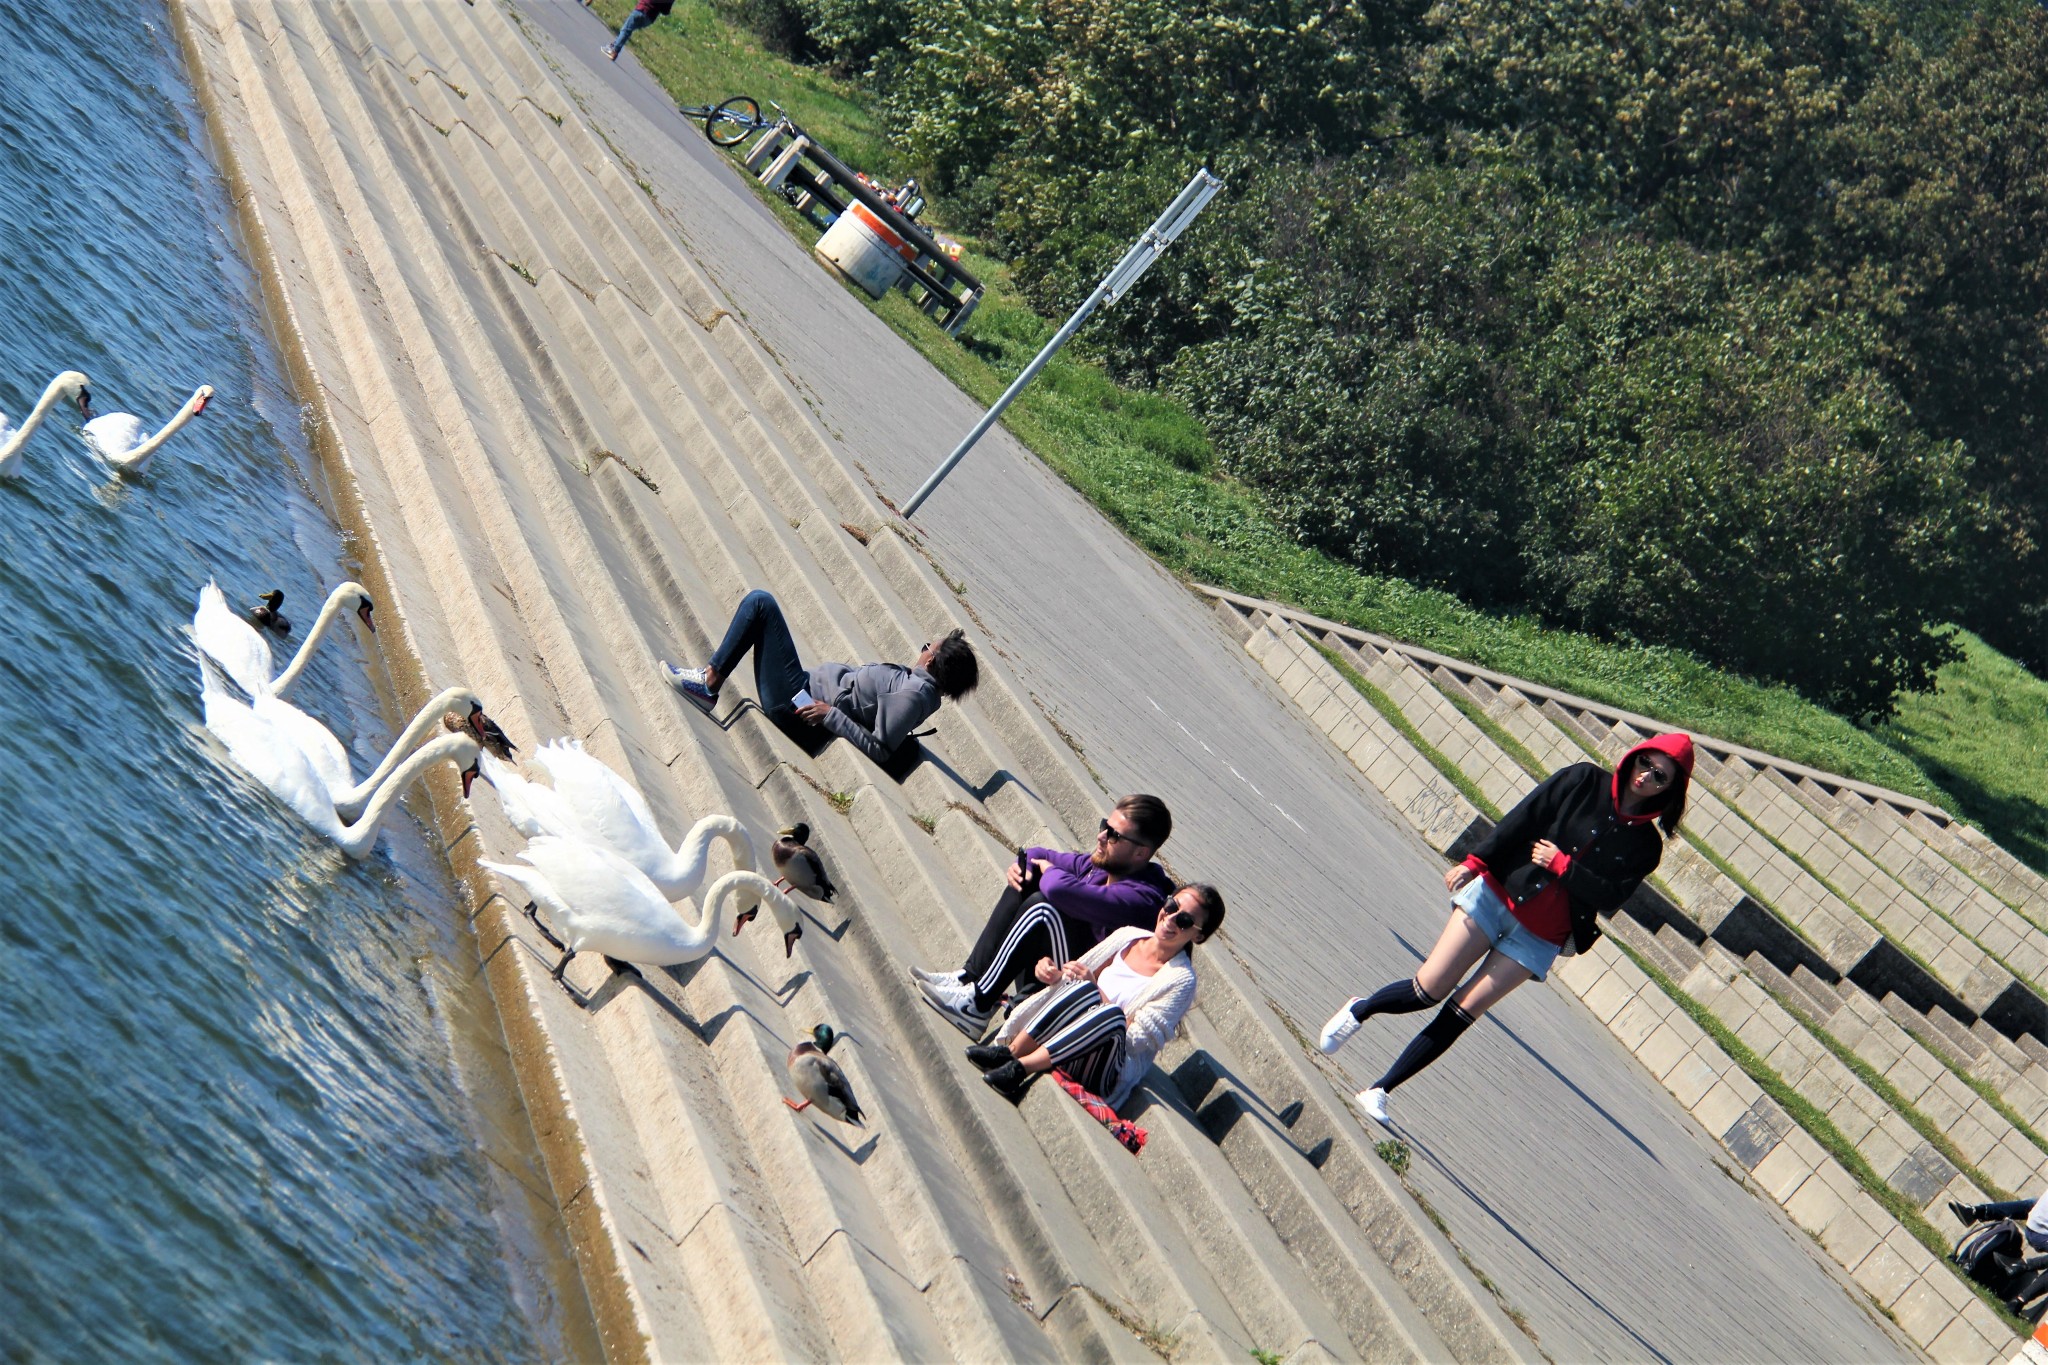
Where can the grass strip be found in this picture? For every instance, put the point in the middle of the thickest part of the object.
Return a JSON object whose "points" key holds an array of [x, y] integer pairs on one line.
{"points": [[1384, 704], [1822, 1130], [1971, 746], [1491, 728]]}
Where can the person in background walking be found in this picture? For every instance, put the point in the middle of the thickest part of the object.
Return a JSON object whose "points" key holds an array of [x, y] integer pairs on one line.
{"points": [[1579, 844], [644, 13]]}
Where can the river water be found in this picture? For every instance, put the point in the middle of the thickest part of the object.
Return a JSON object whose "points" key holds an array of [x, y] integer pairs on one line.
{"points": [[253, 1100]]}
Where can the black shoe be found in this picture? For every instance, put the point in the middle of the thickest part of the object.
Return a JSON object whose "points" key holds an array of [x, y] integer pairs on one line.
{"points": [[988, 1056], [1011, 1080], [1966, 1214]]}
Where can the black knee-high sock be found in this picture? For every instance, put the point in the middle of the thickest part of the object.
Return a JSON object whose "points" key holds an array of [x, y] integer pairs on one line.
{"points": [[1434, 1040], [1403, 997]]}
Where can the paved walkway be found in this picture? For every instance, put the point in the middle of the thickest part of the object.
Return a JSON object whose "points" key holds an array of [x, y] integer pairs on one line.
{"points": [[1568, 1175]]}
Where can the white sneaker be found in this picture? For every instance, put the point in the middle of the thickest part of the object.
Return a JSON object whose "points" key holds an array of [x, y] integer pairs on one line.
{"points": [[1338, 1031], [955, 1000], [937, 978], [1374, 1103]]}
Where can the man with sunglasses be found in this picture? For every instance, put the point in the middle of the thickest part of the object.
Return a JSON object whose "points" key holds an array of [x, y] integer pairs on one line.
{"points": [[1059, 905]]}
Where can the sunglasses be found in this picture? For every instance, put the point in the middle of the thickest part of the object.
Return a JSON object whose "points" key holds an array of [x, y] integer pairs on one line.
{"points": [[1660, 775], [1115, 835]]}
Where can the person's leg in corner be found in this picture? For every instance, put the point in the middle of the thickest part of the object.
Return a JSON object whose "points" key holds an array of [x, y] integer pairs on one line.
{"points": [[635, 21], [758, 627]]}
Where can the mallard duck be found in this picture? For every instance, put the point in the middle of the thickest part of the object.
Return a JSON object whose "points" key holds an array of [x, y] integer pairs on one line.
{"points": [[267, 613], [487, 733], [820, 1081], [799, 865]]}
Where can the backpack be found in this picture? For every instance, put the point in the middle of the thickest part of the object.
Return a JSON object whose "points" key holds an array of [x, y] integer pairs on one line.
{"points": [[1977, 1255]]}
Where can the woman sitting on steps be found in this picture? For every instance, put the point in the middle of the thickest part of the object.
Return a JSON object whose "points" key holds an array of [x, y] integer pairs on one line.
{"points": [[1112, 1010]]}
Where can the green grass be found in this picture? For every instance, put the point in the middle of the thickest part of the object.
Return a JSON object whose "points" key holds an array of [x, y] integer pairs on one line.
{"points": [[1975, 746]]}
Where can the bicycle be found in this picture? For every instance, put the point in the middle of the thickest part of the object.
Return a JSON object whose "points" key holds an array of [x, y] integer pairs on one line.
{"points": [[729, 123]]}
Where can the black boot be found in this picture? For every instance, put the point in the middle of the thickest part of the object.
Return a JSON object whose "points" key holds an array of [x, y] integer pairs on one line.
{"points": [[988, 1056], [1011, 1080], [1966, 1214]]}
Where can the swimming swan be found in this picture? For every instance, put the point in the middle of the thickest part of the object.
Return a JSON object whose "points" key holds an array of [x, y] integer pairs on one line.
{"points": [[264, 750], [118, 438], [600, 903], [239, 648], [330, 758], [589, 801], [70, 384]]}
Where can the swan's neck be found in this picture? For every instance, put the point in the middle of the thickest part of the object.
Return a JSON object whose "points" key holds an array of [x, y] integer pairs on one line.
{"points": [[423, 723], [50, 398], [695, 848], [329, 611], [357, 838], [135, 458], [732, 883]]}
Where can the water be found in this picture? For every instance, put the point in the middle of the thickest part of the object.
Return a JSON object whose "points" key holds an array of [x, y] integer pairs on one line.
{"points": [[252, 1099]]}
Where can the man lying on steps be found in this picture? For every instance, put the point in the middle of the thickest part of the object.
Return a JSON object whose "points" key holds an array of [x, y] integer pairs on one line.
{"points": [[873, 707], [1059, 905]]}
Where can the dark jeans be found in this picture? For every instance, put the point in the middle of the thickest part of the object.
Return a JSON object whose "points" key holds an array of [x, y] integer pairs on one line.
{"points": [[779, 675], [1022, 928], [635, 20]]}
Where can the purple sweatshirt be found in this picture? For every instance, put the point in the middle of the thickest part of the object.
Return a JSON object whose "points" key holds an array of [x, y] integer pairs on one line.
{"points": [[1080, 890]]}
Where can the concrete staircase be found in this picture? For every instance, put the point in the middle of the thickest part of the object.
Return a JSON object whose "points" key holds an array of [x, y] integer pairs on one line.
{"points": [[1823, 925], [563, 460]]}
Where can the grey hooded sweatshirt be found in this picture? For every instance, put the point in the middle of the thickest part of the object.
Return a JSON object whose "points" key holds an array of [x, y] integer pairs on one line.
{"points": [[874, 706]]}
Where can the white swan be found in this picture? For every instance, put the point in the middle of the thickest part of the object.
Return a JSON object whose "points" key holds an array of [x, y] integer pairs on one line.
{"points": [[70, 384], [589, 801], [264, 750], [117, 437], [330, 759], [239, 648], [598, 902]]}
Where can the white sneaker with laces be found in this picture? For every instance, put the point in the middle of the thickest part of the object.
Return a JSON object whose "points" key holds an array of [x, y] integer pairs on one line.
{"points": [[1374, 1103], [955, 1000], [1338, 1031], [936, 978], [690, 682]]}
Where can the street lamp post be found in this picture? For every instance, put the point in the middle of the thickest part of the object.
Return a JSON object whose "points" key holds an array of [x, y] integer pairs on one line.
{"points": [[1190, 201]]}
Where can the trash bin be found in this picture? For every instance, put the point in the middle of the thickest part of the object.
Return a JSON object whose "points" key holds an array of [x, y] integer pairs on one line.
{"points": [[860, 246]]}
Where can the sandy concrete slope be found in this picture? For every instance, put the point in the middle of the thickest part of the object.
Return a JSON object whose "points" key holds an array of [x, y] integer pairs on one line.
{"points": [[1570, 1178]]}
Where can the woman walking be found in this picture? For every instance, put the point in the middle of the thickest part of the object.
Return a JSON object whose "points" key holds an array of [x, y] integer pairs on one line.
{"points": [[1579, 844]]}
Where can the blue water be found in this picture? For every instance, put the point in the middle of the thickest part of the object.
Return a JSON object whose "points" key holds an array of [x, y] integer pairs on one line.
{"points": [[252, 1100]]}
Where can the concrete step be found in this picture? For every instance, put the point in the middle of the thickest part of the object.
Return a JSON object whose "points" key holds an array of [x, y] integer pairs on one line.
{"points": [[1921, 1292]]}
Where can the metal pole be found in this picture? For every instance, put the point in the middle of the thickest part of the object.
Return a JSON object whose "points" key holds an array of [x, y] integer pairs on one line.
{"points": [[1147, 249]]}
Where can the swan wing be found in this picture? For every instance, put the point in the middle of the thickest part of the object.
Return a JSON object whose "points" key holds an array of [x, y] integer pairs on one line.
{"points": [[322, 749], [114, 434], [6, 429], [231, 642], [607, 809], [529, 807], [262, 750]]}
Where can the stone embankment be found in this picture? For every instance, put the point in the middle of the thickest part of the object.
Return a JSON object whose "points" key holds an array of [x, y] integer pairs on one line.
{"points": [[1879, 958], [561, 458]]}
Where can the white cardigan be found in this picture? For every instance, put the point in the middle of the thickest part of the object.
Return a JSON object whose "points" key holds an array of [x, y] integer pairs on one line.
{"points": [[1168, 995]]}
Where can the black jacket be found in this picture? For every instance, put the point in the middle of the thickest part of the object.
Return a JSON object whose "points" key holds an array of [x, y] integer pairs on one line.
{"points": [[1574, 809]]}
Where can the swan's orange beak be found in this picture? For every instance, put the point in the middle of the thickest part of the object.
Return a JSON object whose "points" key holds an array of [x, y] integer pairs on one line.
{"points": [[743, 919], [469, 776], [200, 406], [789, 940], [363, 610]]}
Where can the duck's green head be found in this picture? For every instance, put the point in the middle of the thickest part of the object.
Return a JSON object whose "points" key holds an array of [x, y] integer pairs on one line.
{"points": [[824, 1035]]}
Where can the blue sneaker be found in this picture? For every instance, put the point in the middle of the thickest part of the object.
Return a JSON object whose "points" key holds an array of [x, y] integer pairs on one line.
{"points": [[690, 682]]}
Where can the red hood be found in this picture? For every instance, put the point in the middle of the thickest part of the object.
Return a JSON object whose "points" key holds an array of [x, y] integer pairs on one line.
{"points": [[1676, 746]]}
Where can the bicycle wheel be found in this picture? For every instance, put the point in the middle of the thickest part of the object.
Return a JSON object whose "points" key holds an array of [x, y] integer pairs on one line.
{"points": [[733, 120]]}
